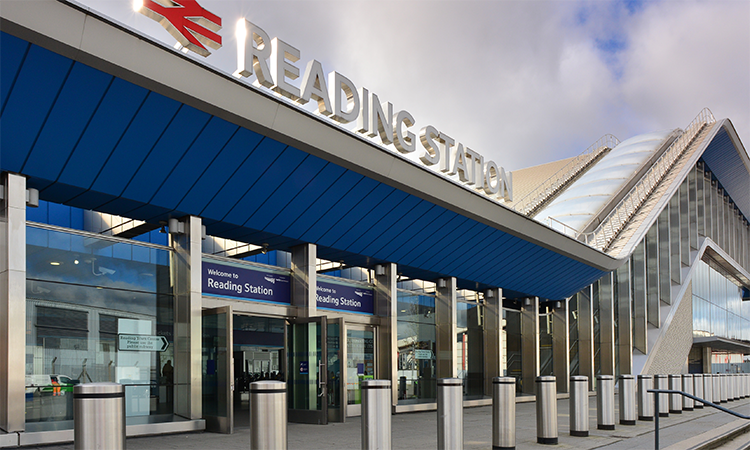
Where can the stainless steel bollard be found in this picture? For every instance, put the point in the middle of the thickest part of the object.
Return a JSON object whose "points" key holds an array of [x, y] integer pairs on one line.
{"points": [[746, 379], [730, 387], [708, 387], [450, 410], [627, 400], [99, 416], [736, 384], [645, 399], [662, 382], [698, 389], [675, 400], [546, 410], [376, 414], [717, 387], [503, 413], [724, 389], [605, 402], [579, 405], [268, 421], [687, 387]]}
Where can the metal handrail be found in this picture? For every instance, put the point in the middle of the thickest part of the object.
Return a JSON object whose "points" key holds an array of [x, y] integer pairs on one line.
{"points": [[684, 394], [615, 221], [528, 203]]}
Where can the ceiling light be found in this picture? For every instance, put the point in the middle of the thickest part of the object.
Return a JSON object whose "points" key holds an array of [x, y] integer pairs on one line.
{"points": [[55, 263]]}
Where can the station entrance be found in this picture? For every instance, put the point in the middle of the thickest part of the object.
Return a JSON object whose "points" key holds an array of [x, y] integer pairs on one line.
{"points": [[323, 361]]}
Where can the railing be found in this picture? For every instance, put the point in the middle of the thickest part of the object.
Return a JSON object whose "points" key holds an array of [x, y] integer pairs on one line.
{"points": [[615, 221], [529, 203], [656, 393]]}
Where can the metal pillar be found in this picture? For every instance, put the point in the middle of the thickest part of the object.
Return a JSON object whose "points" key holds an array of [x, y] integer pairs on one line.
{"points": [[579, 406], [624, 321], [305, 279], [268, 419], [698, 389], [187, 275], [503, 413], [13, 303], [675, 400], [607, 323], [645, 398], [386, 308], [376, 414], [99, 416], [546, 410], [605, 402], [627, 400], [585, 335], [445, 328], [529, 344], [662, 382], [493, 338], [561, 345], [687, 387], [450, 414]]}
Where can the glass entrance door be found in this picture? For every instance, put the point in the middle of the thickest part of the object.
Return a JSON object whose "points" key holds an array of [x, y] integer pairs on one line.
{"points": [[217, 370], [360, 364], [307, 389]]}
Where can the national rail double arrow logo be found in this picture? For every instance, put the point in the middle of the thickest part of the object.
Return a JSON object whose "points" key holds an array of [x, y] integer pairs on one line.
{"points": [[193, 26]]}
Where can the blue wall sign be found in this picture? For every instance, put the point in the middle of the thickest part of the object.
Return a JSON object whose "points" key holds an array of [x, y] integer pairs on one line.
{"points": [[245, 283], [342, 297], [304, 369]]}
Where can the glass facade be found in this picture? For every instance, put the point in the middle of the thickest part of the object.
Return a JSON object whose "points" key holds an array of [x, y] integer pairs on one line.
{"points": [[85, 294], [416, 348], [470, 348], [718, 309]]}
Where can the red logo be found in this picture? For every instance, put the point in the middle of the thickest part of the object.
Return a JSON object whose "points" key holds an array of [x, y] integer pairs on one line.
{"points": [[193, 26]]}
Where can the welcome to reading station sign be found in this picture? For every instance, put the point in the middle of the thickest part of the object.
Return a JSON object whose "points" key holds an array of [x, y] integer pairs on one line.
{"points": [[250, 283]]}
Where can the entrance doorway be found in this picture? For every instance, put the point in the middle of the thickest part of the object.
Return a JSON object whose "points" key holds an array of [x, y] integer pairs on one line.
{"points": [[360, 364], [259, 354]]}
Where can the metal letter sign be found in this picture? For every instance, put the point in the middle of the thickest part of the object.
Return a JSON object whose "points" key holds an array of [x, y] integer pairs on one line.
{"points": [[141, 343], [188, 22]]}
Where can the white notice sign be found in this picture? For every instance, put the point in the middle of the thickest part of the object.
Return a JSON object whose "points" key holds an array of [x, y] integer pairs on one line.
{"points": [[423, 354], [141, 343]]}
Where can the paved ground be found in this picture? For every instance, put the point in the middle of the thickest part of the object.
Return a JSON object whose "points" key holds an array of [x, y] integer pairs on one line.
{"points": [[418, 430]]}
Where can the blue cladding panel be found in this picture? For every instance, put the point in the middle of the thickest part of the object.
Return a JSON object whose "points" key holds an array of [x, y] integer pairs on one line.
{"points": [[368, 222], [438, 239], [409, 240], [172, 146], [70, 114], [327, 216], [220, 169], [14, 51], [445, 249], [269, 181], [149, 124], [290, 188], [394, 229], [36, 89], [190, 167], [326, 177], [116, 111], [320, 200], [382, 225], [243, 179], [481, 235], [352, 216]]}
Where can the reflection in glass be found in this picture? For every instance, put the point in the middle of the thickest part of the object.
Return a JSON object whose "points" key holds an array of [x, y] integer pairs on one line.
{"points": [[84, 293], [360, 363], [470, 346], [416, 348]]}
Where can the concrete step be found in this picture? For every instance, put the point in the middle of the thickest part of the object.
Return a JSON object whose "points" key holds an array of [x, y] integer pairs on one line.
{"points": [[733, 435]]}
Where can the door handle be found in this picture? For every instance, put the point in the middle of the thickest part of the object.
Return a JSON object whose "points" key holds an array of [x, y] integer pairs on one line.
{"points": [[321, 378]]}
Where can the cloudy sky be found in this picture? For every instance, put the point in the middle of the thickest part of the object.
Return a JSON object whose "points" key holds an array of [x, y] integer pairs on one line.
{"points": [[521, 82]]}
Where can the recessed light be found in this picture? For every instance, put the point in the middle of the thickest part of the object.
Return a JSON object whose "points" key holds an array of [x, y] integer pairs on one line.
{"points": [[55, 263], [75, 261]]}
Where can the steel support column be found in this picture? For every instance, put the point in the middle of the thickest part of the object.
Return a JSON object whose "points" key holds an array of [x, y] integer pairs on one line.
{"points": [[586, 335], [305, 279], [529, 344], [561, 346], [607, 323], [386, 309], [446, 318], [624, 321], [187, 275], [493, 337]]}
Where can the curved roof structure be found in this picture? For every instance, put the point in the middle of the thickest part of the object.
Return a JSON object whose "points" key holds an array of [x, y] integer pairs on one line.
{"points": [[588, 195]]}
